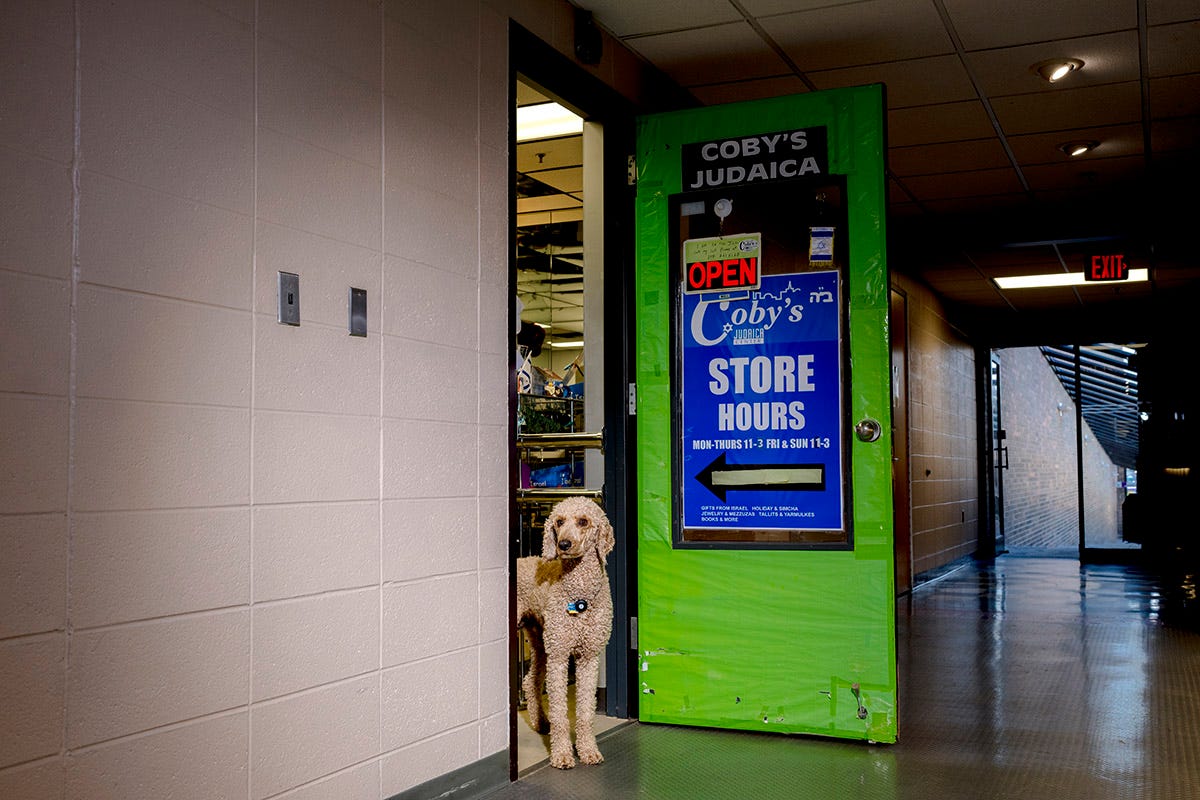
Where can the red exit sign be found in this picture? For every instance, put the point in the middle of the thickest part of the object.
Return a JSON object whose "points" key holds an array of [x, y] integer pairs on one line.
{"points": [[1107, 268]]}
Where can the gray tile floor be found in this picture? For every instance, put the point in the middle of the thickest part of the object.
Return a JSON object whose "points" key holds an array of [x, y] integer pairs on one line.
{"points": [[1028, 678]]}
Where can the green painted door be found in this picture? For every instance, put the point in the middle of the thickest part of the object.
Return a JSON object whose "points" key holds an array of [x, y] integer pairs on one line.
{"points": [[765, 550]]}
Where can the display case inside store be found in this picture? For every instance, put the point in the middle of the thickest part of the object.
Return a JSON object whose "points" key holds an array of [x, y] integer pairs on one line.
{"points": [[545, 464]]}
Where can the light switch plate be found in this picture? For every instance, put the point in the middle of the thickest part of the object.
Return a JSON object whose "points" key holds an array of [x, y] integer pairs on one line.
{"points": [[289, 298], [358, 312]]}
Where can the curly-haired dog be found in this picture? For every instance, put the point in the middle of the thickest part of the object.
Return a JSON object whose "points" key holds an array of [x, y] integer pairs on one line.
{"points": [[565, 607]]}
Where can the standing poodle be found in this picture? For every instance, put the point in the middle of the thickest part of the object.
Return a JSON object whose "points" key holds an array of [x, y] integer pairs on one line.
{"points": [[565, 607]]}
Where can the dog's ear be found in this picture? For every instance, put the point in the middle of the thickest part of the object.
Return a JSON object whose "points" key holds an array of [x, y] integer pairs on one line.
{"points": [[549, 540], [605, 540]]}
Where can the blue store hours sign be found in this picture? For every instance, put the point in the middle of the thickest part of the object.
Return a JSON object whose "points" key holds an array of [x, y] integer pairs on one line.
{"points": [[761, 416]]}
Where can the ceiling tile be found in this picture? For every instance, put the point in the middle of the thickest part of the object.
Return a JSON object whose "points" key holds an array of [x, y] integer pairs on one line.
{"points": [[547, 203], [715, 93], [947, 157], [896, 193], [1163, 11], [1091, 175], [623, 18], [564, 151], [763, 8], [959, 206], [711, 55], [904, 210], [964, 184], [1172, 48], [1042, 148], [564, 180], [949, 122], [984, 25], [976, 293], [1016, 260], [874, 31], [1114, 104], [949, 173], [1182, 133], [915, 82], [1111, 58], [1175, 97], [525, 220], [527, 95]]}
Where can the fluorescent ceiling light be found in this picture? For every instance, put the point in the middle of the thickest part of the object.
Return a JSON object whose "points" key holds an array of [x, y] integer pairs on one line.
{"points": [[574, 344], [546, 120], [1063, 279]]}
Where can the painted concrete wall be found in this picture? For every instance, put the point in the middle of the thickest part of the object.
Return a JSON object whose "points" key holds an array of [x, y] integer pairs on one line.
{"points": [[238, 558], [244, 560]]}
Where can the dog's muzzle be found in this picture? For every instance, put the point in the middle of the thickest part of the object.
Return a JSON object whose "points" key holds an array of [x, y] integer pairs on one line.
{"points": [[565, 545]]}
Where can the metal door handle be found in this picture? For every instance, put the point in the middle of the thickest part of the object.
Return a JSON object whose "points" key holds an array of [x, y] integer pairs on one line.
{"points": [[868, 430]]}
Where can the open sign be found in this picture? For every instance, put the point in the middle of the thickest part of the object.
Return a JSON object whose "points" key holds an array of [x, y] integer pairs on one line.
{"points": [[731, 273], [722, 264]]}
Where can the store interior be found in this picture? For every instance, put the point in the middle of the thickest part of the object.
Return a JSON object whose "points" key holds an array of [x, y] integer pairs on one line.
{"points": [[558, 431]]}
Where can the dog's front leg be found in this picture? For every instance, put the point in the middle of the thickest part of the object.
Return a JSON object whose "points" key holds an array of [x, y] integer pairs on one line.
{"points": [[586, 672], [535, 679], [561, 755]]}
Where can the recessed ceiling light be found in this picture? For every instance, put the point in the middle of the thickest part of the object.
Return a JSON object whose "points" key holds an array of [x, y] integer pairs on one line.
{"points": [[1055, 69], [1078, 147]]}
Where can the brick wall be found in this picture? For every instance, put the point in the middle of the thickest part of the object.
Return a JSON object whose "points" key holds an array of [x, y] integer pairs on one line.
{"points": [[942, 437], [1040, 486]]}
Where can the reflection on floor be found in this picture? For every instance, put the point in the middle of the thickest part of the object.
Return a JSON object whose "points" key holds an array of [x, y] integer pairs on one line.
{"points": [[1030, 678], [533, 748]]}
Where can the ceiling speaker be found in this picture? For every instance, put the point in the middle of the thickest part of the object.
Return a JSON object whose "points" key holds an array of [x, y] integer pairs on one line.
{"points": [[588, 42]]}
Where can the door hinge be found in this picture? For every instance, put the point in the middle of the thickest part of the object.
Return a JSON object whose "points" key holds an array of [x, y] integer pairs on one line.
{"points": [[631, 170], [633, 642], [633, 399]]}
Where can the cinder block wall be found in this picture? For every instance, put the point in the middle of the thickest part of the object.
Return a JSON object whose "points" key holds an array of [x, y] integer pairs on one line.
{"points": [[238, 558]]}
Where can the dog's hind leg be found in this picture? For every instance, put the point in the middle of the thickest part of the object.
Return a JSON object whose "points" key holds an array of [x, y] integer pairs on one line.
{"points": [[561, 754], [586, 672], [535, 679]]}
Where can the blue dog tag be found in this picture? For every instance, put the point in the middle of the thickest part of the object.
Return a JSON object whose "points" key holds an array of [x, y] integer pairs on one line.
{"points": [[576, 607]]}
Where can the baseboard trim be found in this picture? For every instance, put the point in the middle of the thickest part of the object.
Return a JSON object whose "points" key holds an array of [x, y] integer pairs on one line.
{"points": [[465, 783]]}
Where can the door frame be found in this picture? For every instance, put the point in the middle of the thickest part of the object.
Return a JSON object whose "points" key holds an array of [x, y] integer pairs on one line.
{"points": [[537, 63], [901, 478], [992, 451]]}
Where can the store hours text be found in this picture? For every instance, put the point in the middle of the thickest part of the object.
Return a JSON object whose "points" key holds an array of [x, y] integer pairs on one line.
{"points": [[764, 443]]}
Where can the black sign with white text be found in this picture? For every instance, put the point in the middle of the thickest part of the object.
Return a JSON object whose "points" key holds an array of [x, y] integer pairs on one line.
{"points": [[762, 158]]}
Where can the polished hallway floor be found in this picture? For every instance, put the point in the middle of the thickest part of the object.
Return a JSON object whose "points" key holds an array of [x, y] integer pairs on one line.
{"points": [[1030, 678]]}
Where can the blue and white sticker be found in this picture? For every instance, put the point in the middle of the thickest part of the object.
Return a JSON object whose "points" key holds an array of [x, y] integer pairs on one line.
{"points": [[820, 246]]}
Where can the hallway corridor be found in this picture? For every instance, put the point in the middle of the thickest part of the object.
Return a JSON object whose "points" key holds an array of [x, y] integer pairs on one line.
{"points": [[1030, 678]]}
